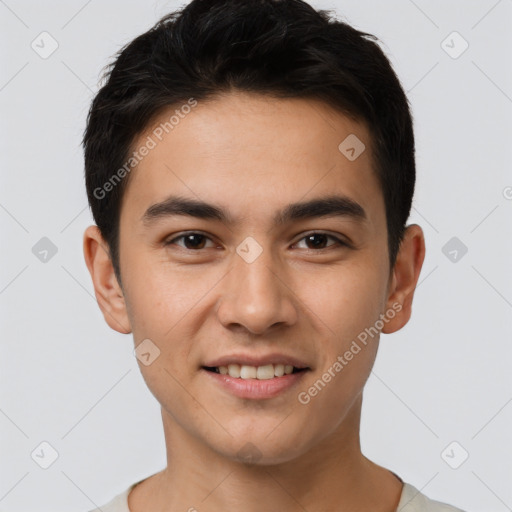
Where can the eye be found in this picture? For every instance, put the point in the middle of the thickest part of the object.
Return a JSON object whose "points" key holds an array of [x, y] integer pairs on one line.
{"points": [[318, 240], [196, 241], [192, 241]]}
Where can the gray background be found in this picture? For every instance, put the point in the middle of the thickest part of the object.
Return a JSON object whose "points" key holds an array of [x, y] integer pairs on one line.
{"points": [[69, 380]]}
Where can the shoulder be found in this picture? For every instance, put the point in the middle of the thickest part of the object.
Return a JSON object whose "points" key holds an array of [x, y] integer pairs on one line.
{"points": [[413, 500], [117, 504]]}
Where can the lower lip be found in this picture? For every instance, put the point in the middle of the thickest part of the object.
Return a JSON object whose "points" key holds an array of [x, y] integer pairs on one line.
{"points": [[254, 388]]}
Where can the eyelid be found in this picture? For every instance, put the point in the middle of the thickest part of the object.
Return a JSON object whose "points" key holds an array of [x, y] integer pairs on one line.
{"points": [[340, 242], [178, 236]]}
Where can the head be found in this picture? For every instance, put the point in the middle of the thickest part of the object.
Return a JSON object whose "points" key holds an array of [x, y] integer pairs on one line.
{"points": [[254, 130]]}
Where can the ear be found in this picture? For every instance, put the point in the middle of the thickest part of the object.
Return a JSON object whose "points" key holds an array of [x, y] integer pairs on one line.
{"points": [[404, 278], [107, 290]]}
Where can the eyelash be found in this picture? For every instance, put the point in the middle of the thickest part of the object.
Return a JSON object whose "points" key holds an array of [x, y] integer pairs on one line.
{"points": [[339, 242]]}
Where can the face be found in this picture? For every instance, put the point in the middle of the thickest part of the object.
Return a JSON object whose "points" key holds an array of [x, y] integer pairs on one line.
{"points": [[250, 242]]}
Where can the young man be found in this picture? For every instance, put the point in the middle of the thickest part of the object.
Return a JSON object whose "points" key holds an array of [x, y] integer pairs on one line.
{"points": [[250, 168]]}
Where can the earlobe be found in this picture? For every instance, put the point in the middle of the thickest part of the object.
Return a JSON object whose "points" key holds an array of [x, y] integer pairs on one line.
{"points": [[406, 272], [106, 287]]}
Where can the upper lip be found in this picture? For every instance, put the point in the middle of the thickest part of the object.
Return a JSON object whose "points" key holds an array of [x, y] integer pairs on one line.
{"points": [[253, 360]]}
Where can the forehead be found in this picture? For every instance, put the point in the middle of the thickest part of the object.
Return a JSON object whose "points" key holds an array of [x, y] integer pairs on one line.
{"points": [[242, 150]]}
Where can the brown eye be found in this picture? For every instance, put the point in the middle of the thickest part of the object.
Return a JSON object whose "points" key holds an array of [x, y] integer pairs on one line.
{"points": [[191, 241], [318, 241]]}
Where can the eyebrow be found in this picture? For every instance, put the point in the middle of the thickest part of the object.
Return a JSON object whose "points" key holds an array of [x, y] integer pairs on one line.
{"points": [[329, 206]]}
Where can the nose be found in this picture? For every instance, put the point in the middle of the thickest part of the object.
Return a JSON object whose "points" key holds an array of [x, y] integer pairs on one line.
{"points": [[257, 296]]}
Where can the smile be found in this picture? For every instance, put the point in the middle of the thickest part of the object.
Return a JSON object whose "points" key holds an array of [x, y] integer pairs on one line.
{"points": [[255, 382], [266, 372]]}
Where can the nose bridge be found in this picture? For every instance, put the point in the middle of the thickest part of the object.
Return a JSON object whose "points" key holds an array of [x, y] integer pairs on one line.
{"points": [[260, 276], [257, 297]]}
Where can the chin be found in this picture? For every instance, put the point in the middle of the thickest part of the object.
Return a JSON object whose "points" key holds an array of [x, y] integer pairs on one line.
{"points": [[264, 449]]}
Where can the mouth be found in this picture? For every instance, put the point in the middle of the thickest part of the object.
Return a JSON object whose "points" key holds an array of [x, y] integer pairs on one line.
{"points": [[255, 378], [264, 372]]}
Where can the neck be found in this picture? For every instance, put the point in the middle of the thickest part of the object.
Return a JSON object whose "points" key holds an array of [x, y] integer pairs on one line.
{"points": [[332, 475]]}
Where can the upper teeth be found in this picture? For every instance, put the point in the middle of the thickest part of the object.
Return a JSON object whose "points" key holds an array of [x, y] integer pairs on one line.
{"points": [[269, 371]]}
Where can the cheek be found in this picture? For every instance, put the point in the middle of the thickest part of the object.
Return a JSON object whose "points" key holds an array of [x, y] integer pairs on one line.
{"points": [[345, 300], [344, 305], [348, 307], [161, 296]]}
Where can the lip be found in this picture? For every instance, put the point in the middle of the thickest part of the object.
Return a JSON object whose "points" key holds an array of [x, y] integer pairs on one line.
{"points": [[253, 360], [255, 389]]}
